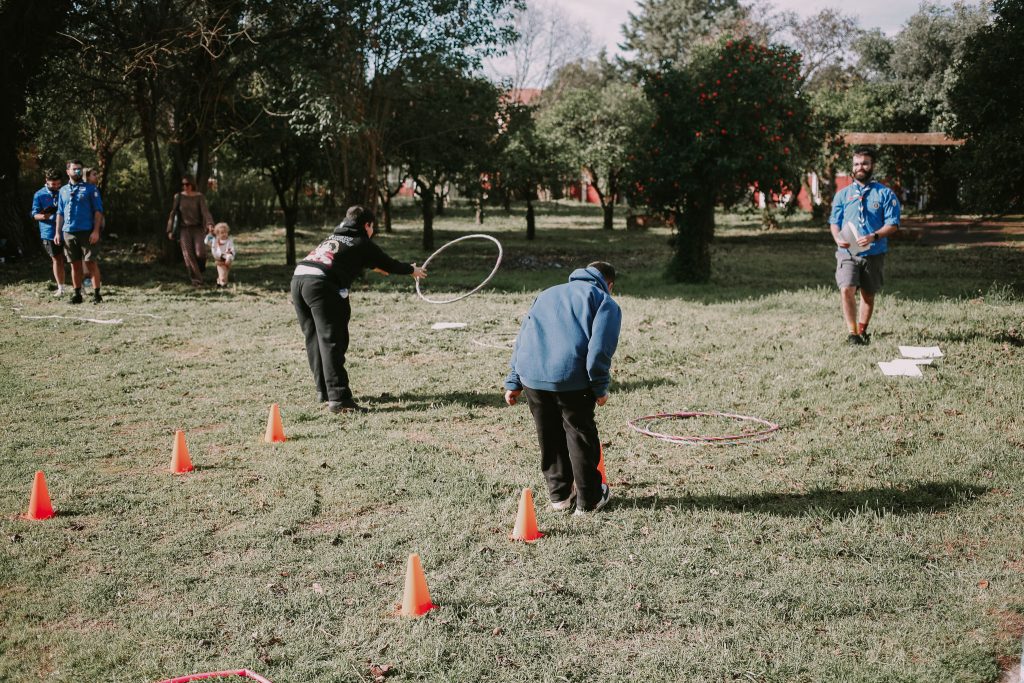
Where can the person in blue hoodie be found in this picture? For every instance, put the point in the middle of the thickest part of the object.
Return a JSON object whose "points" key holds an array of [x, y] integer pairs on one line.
{"points": [[562, 361]]}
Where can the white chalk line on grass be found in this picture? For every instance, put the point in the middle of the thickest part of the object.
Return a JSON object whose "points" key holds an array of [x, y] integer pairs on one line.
{"points": [[115, 321]]}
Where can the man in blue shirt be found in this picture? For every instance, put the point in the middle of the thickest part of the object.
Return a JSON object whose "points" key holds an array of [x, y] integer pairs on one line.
{"points": [[44, 211], [79, 217], [562, 360], [864, 215]]}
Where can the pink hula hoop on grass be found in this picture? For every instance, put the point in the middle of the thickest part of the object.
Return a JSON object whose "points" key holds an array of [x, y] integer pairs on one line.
{"points": [[244, 673], [702, 440]]}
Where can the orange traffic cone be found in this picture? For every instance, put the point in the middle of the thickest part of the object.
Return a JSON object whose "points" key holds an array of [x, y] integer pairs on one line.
{"points": [[416, 599], [180, 461], [275, 430], [526, 520], [600, 467], [39, 506]]}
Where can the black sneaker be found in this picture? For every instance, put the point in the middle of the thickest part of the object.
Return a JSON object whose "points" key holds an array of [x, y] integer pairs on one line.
{"points": [[76, 298], [345, 406], [866, 338], [855, 340], [96, 298], [606, 493]]}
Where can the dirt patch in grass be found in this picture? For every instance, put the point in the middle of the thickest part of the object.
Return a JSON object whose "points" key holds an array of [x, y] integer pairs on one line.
{"points": [[965, 231]]}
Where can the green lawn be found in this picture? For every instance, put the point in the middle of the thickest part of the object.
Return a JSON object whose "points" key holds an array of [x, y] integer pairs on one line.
{"points": [[877, 537]]}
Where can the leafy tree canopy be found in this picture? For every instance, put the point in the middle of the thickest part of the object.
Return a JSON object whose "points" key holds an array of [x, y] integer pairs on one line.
{"points": [[670, 30], [986, 100], [733, 119], [595, 128]]}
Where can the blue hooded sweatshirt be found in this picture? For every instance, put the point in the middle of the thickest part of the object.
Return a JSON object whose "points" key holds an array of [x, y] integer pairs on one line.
{"points": [[568, 338]]}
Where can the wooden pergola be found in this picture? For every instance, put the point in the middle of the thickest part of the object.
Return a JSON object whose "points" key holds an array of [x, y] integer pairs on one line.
{"points": [[918, 139]]}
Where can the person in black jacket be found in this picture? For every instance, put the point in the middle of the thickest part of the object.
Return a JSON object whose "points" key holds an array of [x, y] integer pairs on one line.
{"points": [[320, 294]]}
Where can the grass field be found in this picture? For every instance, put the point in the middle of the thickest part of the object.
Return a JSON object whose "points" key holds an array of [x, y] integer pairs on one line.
{"points": [[877, 537]]}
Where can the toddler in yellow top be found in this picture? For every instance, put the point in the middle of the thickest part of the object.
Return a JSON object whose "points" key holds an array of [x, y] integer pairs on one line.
{"points": [[223, 249]]}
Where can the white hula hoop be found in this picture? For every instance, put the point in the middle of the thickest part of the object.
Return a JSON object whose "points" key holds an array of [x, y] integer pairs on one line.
{"points": [[476, 289]]}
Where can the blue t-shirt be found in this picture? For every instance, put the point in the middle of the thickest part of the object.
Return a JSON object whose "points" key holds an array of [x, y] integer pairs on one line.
{"points": [[44, 199], [77, 203], [869, 207]]}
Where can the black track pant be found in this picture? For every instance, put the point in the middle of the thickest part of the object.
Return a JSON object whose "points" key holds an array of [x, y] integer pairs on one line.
{"points": [[323, 316], [569, 445]]}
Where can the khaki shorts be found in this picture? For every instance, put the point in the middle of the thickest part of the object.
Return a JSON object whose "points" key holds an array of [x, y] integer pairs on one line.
{"points": [[52, 249], [77, 247], [866, 272]]}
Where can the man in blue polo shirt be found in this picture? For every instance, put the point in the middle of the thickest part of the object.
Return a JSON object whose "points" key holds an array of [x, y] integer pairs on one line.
{"points": [[79, 216], [864, 215], [44, 212]]}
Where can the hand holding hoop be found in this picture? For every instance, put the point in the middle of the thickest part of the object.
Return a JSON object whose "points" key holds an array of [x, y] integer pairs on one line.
{"points": [[476, 289]]}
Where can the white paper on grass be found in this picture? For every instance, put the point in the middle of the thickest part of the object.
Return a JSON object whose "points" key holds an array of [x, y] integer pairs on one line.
{"points": [[850, 233], [921, 351], [896, 368], [447, 326]]}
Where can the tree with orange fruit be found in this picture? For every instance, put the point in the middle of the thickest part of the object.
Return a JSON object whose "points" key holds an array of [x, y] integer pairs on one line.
{"points": [[730, 121]]}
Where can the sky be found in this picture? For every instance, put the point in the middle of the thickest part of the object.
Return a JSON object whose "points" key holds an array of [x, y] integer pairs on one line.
{"points": [[605, 17]]}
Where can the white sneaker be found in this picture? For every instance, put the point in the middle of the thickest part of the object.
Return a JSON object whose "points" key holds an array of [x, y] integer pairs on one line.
{"points": [[59, 292], [606, 493], [563, 505]]}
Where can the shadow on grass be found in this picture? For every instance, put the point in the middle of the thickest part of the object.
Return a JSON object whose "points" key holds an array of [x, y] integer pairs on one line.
{"points": [[387, 402], [390, 403], [930, 497], [642, 384]]}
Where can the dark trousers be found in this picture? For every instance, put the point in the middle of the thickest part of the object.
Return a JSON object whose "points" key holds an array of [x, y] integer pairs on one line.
{"points": [[570, 448], [323, 316]]}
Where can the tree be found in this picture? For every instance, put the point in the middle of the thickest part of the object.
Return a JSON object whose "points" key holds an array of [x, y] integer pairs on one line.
{"points": [[732, 120], [547, 39], [27, 32], [372, 48], [668, 31], [823, 41], [527, 160], [924, 53], [986, 100], [595, 128], [445, 125]]}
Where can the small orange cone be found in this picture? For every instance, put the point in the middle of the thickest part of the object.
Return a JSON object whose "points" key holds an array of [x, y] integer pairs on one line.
{"points": [[275, 430], [600, 467], [416, 599], [39, 506], [180, 460], [526, 520]]}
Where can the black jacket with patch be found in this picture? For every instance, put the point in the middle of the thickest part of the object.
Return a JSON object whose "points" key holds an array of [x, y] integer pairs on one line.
{"points": [[347, 252]]}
